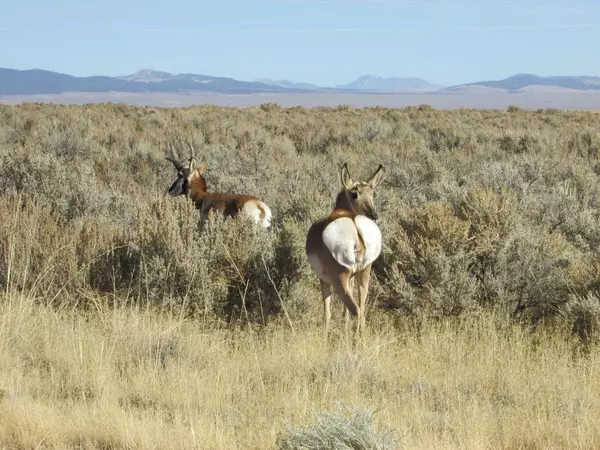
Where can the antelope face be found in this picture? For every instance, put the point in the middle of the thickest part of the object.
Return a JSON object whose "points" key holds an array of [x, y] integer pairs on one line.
{"points": [[181, 186], [360, 194]]}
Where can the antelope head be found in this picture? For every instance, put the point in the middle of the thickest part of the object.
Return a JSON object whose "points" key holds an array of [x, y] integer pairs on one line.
{"points": [[181, 186], [358, 196]]}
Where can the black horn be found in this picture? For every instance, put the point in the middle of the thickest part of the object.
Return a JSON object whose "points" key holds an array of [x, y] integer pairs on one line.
{"points": [[192, 159], [174, 159]]}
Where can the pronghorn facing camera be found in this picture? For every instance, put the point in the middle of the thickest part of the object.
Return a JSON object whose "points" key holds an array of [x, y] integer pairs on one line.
{"points": [[345, 244], [190, 182]]}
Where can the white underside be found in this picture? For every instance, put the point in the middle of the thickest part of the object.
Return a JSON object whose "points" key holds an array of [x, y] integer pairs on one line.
{"points": [[342, 240]]}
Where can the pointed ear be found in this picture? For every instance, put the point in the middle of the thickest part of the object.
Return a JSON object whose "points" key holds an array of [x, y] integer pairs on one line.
{"points": [[202, 167], [346, 178], [377, 177]]}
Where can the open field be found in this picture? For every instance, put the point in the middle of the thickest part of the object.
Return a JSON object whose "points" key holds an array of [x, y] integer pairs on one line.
{"points": [[124, 326], [468, 97], [127, 378]]}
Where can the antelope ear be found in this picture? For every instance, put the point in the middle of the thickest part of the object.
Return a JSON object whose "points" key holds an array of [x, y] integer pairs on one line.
{"points": [[377, 177], [202, 167], [346, 178]]}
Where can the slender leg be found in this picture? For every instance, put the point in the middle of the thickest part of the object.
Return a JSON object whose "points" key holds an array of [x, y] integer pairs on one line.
{"points": [[346, 321], [326, 294], [363, 279], [343, 290], [346, 311]]}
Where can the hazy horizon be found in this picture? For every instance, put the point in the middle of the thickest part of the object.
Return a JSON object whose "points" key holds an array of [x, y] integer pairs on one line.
{"points": [[266, 77]]}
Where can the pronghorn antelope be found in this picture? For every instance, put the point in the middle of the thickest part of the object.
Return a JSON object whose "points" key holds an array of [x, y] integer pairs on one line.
{"points": [[190, 182], [345, 244]]}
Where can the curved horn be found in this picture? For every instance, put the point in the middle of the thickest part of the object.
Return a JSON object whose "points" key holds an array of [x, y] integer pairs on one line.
{"points": [[192, 159], [174, 159]]}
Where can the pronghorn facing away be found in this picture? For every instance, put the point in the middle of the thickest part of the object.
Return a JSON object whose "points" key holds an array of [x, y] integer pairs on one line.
{"points": [[190, 182], [345, 244]]}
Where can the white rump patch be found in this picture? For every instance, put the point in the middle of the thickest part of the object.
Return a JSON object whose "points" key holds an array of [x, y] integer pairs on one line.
{"points": [[371, 235], [254, 210], [266, 221], [341, 238]]}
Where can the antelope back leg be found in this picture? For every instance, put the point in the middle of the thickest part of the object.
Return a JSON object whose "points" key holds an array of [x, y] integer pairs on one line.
{"points": [[344, 291], [362, 280]]}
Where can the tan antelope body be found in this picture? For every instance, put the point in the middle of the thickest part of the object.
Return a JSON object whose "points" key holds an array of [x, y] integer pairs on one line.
{"points": [[343, 245], [190, 182]]}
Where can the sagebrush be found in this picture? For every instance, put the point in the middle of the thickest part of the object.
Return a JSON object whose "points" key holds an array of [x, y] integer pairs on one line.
{"points": [[480, 209]]}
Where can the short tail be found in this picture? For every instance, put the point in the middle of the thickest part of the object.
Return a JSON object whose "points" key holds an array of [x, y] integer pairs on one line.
{"points": [[265, 214]]}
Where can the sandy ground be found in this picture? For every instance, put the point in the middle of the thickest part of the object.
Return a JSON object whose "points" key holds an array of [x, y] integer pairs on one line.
{"points": [[468, 98]]}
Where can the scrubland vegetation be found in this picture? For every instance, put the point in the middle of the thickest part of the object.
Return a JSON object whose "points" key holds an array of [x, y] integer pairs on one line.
{"points": [[125, 326]]}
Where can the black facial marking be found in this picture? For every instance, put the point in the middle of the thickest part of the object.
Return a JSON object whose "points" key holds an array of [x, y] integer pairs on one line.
{"points": [[181, 182], [372, 215]]}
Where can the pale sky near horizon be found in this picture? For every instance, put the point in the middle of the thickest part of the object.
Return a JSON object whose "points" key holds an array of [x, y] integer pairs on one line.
{"points": [[327, 42]]}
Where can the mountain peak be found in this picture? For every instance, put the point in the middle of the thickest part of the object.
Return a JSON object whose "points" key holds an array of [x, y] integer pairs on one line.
{"points": [[148, 76], [377, 83], [288, 84]]}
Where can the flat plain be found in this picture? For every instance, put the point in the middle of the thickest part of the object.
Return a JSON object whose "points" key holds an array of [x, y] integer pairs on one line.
{"points": [[464, 97]]}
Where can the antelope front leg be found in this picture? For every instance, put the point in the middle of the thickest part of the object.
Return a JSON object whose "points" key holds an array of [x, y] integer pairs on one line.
{"points": [[326, 294], [362, 281]]}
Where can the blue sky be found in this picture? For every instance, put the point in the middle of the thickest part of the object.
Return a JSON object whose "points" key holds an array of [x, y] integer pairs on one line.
{"points": [[326, 42]]}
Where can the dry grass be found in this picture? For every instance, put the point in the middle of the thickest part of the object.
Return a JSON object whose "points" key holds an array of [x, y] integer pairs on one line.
{"points": [[130, 378], [122, 325]]}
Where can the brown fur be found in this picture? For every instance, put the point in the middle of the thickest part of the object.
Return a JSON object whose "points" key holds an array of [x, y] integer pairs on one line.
{"points": [[339, 213], [355, 198], [191, 183], [227, 204]]}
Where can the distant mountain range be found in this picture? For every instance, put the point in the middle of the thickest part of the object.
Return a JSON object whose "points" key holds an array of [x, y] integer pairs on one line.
{"points": [[36, 81], [364, 83], [524, 80], [26, 82]]}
